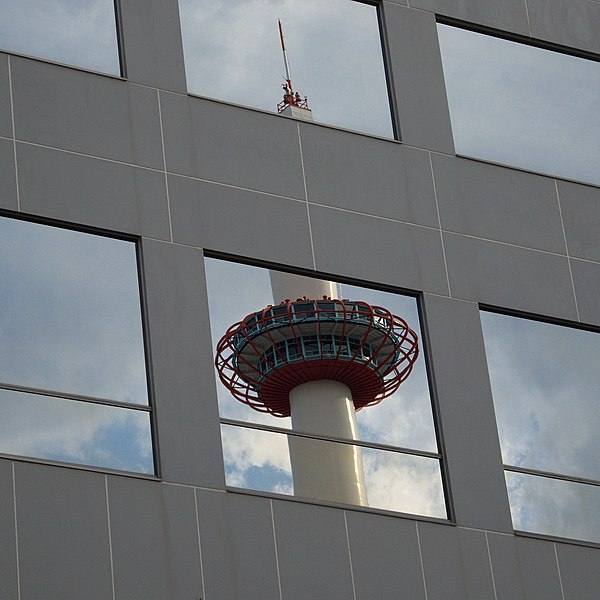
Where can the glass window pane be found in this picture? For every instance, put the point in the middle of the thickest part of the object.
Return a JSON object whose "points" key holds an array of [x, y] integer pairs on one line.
{"points": [[72, 431], [523, 106], [233, 52], [404, 419], [71, 316], [545, 381], [81, 33], [260, 460], [554, 507]]}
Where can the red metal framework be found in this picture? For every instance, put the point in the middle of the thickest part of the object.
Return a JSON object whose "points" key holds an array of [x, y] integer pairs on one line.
{"points": [[263, 357]]}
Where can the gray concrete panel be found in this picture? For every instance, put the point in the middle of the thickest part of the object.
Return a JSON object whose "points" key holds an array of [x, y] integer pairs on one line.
{"points": [[477, 570], [579, 571], [253, 546], [375, 249], [509, 276], [93, 192], [385, 557], [466, 414], [84, 112], [139, 539], [185, 397], [368, 175], [509, 15], [8, 547], [313, 552], [496, 203], [215, 541], [580, 205], [185, 574], [442, 566], [234, 145], [417, 78], [63, 533], [5, 111], [152, 43], [8, 186], [575, 23], [505, 566], [586, 278], [539, 570], [240, 222]]}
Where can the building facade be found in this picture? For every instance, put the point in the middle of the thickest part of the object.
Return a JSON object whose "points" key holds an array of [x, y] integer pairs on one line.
{"points": [[181, 177]]}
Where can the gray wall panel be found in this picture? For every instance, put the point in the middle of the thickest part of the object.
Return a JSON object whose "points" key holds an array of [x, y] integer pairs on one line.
{"points": [[313, 552], [185, 574], [509, 15], [8, 545], [539, 569], [580, 205], [378, 250], [497, 203], [152, 40], [8, 186], [574, 23], [5, 111], [92, 192], [418, 79], [253, 541], [477, 570], [505, 565], [579, 571], [240, 222], [441, 561], [586, 278], [69, 109], [63, 533], [139, 539], [385, 557], [239, 146], [368, 175], [184, 385], [509, 276], [466, 414], [215, 541]]}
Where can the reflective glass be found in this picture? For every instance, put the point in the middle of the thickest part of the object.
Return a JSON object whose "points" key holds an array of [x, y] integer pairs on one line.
{"points": [[98, 435], [232, 52], [260, 460], [81, 33], [404, 419], [545, 383], [554, 507], [71, 316], [522, 106]]}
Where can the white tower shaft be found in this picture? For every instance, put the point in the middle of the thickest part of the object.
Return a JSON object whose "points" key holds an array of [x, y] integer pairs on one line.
{"points": [[322, 470]]}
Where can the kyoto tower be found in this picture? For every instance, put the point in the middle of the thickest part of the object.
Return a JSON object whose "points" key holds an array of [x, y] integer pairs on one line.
{"points": [[319, 359]]}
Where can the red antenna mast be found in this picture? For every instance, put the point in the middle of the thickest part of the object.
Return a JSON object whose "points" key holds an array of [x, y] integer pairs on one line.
{"points": [[290, 97]]}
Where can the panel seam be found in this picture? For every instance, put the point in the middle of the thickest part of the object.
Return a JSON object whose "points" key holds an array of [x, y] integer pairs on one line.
{"points": [[164, 156], [14, 483], [437, 208], [562, 591], [14, 134], [562, 224], [310, 234], [487, 543], [528, 19], [421, 560], [199, 544], [276, 550], [349, 555], [110, 551]]}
